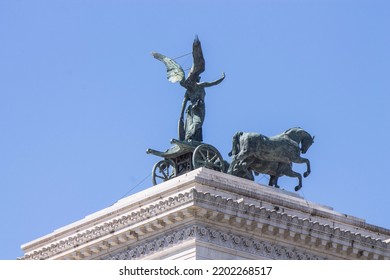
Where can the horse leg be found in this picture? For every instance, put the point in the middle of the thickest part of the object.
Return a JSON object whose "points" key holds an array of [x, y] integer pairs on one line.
{"points": [[238, 166], [243, 169], [273, 181], [243, 172], [291, 173], [276, 182], [308, 171], [304, 160], [232, 166], [248, 174]]}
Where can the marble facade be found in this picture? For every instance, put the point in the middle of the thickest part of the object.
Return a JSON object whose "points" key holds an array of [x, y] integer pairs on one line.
{"points": [[206, 214]]}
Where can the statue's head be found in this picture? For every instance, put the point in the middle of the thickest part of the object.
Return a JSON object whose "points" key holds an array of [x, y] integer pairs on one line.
{"points": [[306, 143]]}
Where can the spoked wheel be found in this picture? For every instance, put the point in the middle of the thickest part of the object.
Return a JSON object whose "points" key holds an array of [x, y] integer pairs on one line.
{"points": [[207, 156], [163, 171]]}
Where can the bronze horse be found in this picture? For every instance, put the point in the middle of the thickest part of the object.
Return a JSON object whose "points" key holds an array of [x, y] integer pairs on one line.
{"points": [[270, 155]]}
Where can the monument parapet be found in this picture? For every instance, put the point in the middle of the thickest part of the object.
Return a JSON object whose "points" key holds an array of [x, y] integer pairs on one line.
{"points": [[205, 214]]}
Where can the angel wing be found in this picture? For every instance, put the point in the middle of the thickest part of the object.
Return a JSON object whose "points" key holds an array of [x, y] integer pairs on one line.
{"points": [[199, 64], [174, 71]]}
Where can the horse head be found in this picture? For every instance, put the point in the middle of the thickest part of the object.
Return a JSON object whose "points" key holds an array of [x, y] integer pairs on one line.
{"points": [[300, 136], [306, 142], [236, 144]]}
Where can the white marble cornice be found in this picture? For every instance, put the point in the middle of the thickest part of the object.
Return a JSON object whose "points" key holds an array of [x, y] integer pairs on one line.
{"points": [[208, 198], [109, 228], [282, 198], [299, 230]]}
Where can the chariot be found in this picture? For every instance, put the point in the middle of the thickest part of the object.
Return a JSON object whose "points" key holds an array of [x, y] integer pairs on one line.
{"points": [[183, 157], [251, 154]]}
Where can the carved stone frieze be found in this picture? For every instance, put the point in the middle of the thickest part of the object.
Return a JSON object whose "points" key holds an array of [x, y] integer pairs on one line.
{"points": [[110, 227], [223, 239], [154, 245], [268, 250]]}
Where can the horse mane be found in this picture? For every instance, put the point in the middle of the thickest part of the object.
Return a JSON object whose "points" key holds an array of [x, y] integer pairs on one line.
{"points": [[302, 134], [293, 128]]}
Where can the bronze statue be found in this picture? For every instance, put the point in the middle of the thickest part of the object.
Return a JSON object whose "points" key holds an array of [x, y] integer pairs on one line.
{"points": [[270, 155], [252, 153], [191, 130]]}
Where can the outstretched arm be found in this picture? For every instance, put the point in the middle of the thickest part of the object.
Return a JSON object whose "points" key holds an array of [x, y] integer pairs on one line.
{"points": [[214, 83]]}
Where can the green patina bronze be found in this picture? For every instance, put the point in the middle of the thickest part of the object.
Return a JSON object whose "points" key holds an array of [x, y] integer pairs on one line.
{"points": [[188, 152], [252, 153], [195, 93]]}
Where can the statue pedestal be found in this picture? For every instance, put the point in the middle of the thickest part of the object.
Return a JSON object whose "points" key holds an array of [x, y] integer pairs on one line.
{"points": [[206, 214]]}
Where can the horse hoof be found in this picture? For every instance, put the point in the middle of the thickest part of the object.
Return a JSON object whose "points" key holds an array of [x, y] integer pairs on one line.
{"points": [[306, 174], [297, 188]]}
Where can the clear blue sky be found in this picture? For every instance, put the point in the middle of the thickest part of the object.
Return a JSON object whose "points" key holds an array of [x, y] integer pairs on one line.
{"points": [[81, 98]]}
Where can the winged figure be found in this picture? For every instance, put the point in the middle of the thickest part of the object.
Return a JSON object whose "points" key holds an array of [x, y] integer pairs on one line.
{"points": [[195, 92]]}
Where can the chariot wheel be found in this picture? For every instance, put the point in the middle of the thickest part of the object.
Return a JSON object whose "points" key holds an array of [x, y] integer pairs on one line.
{"points": [[163, 170], [207, 156]]}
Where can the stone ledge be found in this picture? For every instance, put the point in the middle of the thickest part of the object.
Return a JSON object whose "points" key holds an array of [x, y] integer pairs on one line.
{"points": [[205, 195], [234, 214], [274, 223], [109, 228]]}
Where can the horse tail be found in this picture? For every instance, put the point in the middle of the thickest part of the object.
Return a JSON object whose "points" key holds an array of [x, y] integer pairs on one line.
{"points": [[236, 144]]}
